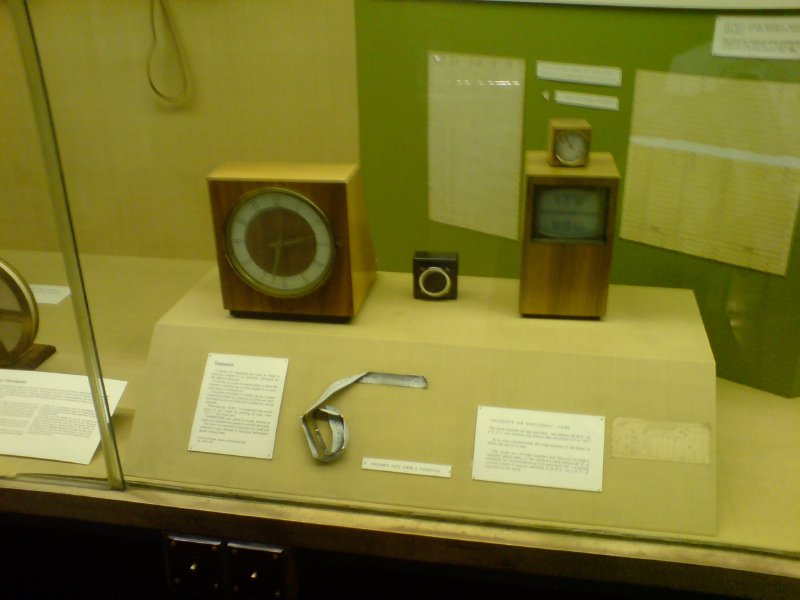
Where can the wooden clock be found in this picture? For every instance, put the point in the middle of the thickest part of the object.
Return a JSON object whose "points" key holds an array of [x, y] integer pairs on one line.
{"points": [[291, 239], [568, 142], [567, 237]]}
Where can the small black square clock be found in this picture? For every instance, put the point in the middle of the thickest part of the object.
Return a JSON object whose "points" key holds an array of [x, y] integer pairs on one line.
{"points": [[435, 275]]}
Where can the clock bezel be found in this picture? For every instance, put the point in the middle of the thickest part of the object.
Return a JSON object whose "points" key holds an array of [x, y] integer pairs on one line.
{"points": [[565, 134], [260, 286]]}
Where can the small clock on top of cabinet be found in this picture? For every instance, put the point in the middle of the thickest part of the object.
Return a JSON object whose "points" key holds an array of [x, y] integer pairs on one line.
{"points": [[292, 240], [568, 236], [568, 142]]}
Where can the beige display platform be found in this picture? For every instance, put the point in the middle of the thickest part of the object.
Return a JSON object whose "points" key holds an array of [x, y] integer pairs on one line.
{"points": [[122, 315], [648, 359]]}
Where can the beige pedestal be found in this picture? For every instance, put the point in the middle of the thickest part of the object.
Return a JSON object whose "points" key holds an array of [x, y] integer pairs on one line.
{"points": [[648, 359]]}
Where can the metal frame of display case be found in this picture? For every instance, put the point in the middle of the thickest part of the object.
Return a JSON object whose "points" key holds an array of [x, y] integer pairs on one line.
{"points": [[58, 192], [691, 564]]}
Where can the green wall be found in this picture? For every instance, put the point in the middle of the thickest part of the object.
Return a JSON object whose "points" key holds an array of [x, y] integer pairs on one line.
{"points": [[752, 318]]}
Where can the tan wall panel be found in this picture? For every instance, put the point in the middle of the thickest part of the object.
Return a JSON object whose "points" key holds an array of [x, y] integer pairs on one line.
{"points": [[26, 220], [273, 80]]}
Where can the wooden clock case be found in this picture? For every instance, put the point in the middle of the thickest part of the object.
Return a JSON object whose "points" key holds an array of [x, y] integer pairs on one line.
{"points": [[336, 190], [567, 278], [559, 126]]}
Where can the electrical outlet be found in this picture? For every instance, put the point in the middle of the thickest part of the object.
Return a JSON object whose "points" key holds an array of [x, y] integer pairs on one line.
{"points": [[259, 571], [195, 565]]}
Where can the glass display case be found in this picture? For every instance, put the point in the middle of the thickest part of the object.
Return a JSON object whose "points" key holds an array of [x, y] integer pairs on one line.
{"points": [[225, 199]]}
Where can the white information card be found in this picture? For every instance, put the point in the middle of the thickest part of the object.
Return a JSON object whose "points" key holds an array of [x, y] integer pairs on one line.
{"points": [[539, 448], [406, 467], [240, 400], [51, 415]]}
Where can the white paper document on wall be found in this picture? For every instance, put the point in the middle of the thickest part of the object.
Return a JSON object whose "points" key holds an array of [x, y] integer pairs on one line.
{"points": [[548, 449], [475, 107], [239, 404], [771, 38], [51, 415], [714, 168]]}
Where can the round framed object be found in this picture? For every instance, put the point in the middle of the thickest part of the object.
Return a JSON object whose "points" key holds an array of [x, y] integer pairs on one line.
{"points": [[435, 282], [571, 147], [19, 316], [280, 243]]}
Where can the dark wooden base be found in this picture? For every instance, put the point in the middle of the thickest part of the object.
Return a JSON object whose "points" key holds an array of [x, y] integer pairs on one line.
{"points": [[33, 357], [244, 314]]}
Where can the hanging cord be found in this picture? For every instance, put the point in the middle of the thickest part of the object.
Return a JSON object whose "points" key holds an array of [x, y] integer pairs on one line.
{"points": [[186, 86]]}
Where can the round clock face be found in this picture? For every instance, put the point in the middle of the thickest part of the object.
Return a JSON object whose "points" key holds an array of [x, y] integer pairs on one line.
{"points": [[571, 148], [435, 282], [280, 243]]}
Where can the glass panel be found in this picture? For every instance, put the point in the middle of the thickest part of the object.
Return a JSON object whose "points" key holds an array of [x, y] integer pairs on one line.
{"points": [[166, 131], [52, 386]]}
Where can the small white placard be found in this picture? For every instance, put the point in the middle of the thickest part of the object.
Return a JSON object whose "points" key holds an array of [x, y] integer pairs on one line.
{"points": [[757, 37], [49, 294], [406, 467], [239, 404], [587, 100], [547, 449], [588, 74], [51, 415]]}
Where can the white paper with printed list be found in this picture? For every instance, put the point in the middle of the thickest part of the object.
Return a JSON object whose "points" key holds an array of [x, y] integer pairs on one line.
{"points": [[51, 415], [239, 404], [475, 110], [714, 168], [547, 449]]}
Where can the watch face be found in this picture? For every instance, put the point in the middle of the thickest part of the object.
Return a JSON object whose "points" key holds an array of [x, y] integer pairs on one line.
{"points": [[570, 214], [280, 243], [571, 147]]}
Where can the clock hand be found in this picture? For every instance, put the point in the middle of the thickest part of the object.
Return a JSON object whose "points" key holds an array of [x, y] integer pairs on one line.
{"points": [[278, 245], [276, 262], [300, 240]]}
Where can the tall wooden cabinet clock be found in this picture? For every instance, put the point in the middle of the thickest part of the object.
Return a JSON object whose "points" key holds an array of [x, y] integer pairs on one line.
{"points": [[567, 236], [292, 240], [568, 142]]}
